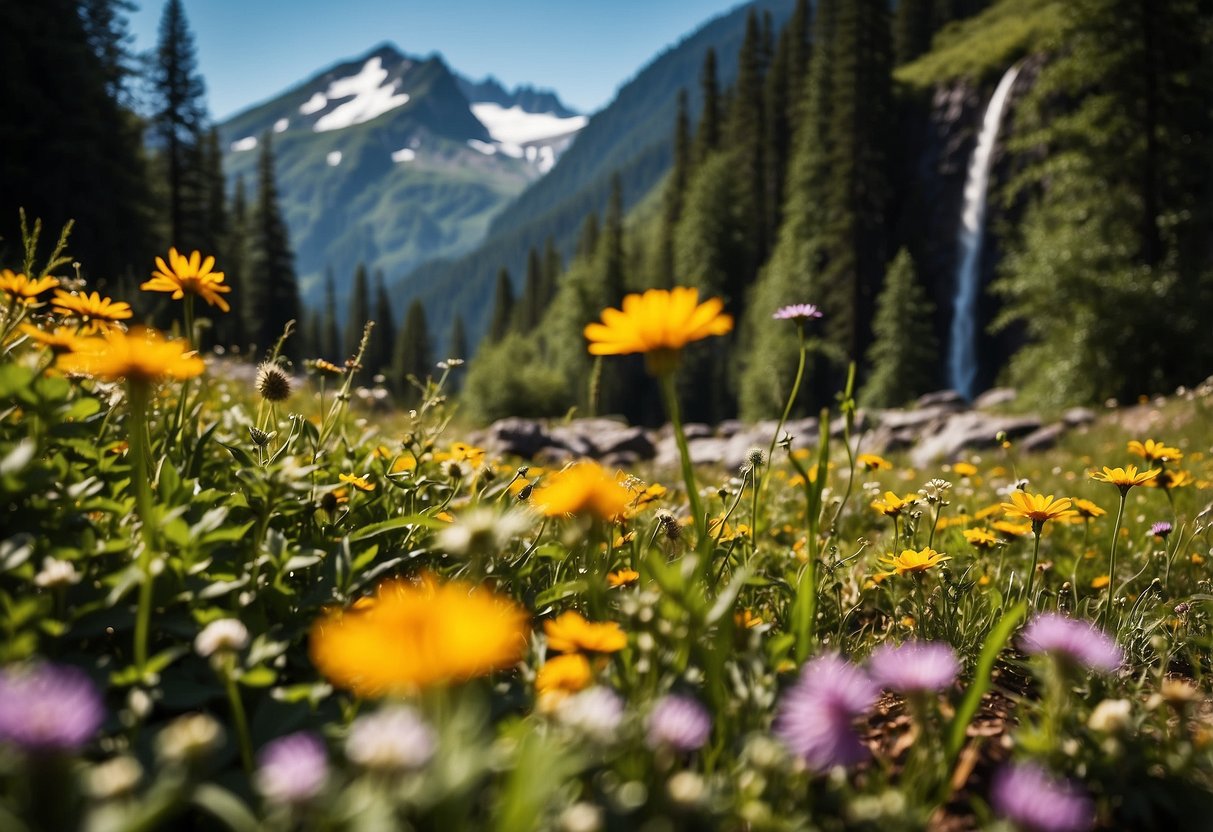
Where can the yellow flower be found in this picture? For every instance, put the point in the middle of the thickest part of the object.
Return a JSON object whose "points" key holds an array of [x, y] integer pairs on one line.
{"points": [[360, 483], [911, 561], [1125, 478], [327, 366], [1152, 451], [564, 675], [873, 462], [622, 577], [1197, 559], [58, 340], [571, 633], [91, 309], [1012, 529], [462, 452], [582, 488], [1037, 507], [747, 620], [891, 505], [22, 288], [964, 469], [980, 538], [1100, 582], [1087, 509], [1171, 479], [141, 355], [727, 533], [659, 322], [189, 275], [417, 635]]}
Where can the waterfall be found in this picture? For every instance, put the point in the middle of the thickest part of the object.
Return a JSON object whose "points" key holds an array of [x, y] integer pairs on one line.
{"points": [[962, 350]]}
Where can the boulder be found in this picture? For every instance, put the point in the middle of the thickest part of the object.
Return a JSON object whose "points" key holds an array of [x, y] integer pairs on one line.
{"points": [[1076, 417], [994, 397], [1043, 438], [971, 429], [948, 399]]}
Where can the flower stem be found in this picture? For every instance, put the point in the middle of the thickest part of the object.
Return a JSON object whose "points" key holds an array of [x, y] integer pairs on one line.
{"points": [[138, 393], [1036, 527], [688, 472], [238, 715], [1120, 513], [787, 411]]}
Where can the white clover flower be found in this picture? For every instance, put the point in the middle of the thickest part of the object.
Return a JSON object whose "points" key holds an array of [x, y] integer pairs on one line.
{"points": [[393, 739], [56, 573], [224, 635]]}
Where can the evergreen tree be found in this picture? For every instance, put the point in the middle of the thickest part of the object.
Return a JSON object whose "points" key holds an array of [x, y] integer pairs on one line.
{"points": [[747, 169], [503, 308], [707, 134], [903, 356], [612, 255], [553, 265], [332, 347], [529, 310], [587, 239], [413, 355], [457, 340], [213, 194], [358, 312], [178, 122], [273, 294], [913, 27], [675, 191], [233, 253], [383, 336]]}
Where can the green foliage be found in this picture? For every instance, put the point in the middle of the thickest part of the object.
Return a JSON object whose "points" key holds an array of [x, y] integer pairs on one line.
{"points": [[509, 378], [359, 313], [414, 359], [273, 294], [903, 357]]}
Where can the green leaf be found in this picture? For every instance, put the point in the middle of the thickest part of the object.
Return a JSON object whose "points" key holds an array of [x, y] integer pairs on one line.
{"points": [[225, 806], [376, 529], [999, 635], [560, 591], [258, 677], [240, 455]]}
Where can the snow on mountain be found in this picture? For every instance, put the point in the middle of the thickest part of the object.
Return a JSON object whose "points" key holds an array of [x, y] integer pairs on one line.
{"points": [[537, 137], [368, 97]]}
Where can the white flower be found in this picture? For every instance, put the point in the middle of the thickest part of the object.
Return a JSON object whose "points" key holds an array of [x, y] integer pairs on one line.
{"points": [[1110, 716], [226, 635], [393, 739], [189, 737], [114, 778], [56, 573], [481, 532], [596, 711]]}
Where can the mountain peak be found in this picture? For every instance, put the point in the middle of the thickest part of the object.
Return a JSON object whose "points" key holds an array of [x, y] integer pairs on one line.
{"points": [[531, 99]]}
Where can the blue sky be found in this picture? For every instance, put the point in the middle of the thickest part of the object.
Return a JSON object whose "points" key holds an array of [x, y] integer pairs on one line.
{"points": [[249, 50]]}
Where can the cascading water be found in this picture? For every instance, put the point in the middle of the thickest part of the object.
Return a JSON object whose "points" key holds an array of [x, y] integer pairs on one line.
{"points": [[962, 351]]}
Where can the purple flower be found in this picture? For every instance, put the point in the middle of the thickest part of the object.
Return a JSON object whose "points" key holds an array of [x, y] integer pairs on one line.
{"points": [[914, 667], [1072, 640], [815, 717], [292, 769], [797, 312], [1031, 799], [48, 707], [1161, 529], [678, 723]]}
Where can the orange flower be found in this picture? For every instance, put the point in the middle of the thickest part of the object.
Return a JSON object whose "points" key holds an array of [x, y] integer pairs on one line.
{"points": [[93, 309], [21, 288], [58, 340], [189, 275], [141, 355], [571, 633], [622, 577], [582, 488], [562, 675], [659, 322], [361, 483]]}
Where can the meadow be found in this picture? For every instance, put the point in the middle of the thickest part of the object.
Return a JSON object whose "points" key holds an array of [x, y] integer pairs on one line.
{"points": [[233, 604]]}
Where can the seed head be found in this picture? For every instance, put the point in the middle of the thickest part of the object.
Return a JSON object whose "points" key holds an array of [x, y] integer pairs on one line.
{"points": [[273, 383]]}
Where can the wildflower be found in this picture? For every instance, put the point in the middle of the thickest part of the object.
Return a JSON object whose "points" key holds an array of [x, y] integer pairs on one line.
{"points": [[23, 289], [462, 452], [797, 312], [227, 635], [1171, 479], [1125, 478], [481, 532], [1071, 640], [1011, 529], [1033, 800], [582, 488], [872, 462], [59, 340], [56, 573], [891, 505], [935, 490], [361, 483], [563, 675], [596, 712], [914, 667], [570, 633], [273, 383], [1087, 509], [192, 275], [678, 723], [392, 740], [48, 707], [980, 538], [1152, 451], [140, 356], [964, 469], [116, 777], [658, 323], [622, 577], [815, 717], [1110, 716], [747, 620], [755, 458], [911, 562], [92, 310], [1037, 507], [292, 770], [418, 635], [189, 738], [1100, 581], [1161, 529]]}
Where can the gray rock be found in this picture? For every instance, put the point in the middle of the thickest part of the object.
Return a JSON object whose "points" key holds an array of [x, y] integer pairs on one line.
{"points": [[1078, 416], [948, 399], [517, 437], [1043, 438], [971, 429], [994, 397]]}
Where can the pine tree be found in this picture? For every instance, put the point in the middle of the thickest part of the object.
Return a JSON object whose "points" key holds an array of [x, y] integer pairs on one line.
{"points": [[587, 239], [903, 357], [707, 134], [747, 171], [383, 336], [413, 355], [529, 310], [675, 191], [233, 253], [457, 340], [178, 121], [332, 348], [553, 265], [614, 278], [273, 292], [913, 27], [502, 320], [358, 312]]}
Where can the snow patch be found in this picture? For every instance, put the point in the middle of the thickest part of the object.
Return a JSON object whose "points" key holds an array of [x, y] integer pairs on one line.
{"points": [[281, 124], [369, 98], [333, 159], [404, 154], [484, 147], [315, 104], [518, 127], [247, 143]]}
